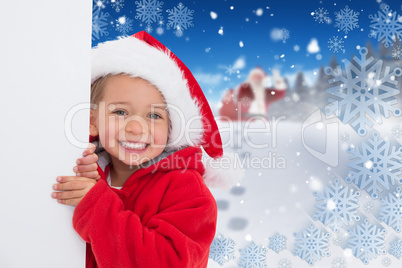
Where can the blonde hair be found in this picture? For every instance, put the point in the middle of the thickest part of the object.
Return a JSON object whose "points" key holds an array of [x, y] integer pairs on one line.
{"points": [[97, 88]]}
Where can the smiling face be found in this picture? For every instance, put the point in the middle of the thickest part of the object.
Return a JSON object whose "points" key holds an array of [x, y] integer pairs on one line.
{"points": [[131, 120]]}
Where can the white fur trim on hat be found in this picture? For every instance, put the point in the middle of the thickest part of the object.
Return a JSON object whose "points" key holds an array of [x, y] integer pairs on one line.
{"points": [[223, 172], [136, 58]]}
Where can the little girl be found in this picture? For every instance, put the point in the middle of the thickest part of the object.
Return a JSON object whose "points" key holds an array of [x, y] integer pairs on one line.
{"points": [[149, 118]]}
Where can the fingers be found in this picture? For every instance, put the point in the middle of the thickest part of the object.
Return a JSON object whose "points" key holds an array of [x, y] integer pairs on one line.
{"points": [[86, 160], [90, 149], [72, 188]]}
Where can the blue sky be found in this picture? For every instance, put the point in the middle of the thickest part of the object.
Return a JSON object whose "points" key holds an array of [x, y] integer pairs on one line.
{"points": [[241, 35]]}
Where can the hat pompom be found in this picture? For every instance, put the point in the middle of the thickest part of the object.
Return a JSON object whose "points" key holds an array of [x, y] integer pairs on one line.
{"points": [[223, 172]]}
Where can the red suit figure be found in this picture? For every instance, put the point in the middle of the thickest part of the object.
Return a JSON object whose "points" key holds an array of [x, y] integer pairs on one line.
{"points": [[252, 97]]}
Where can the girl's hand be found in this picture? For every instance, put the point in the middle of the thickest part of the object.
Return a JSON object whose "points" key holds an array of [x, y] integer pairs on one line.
{"points": [[72, 188], [86, 166]]}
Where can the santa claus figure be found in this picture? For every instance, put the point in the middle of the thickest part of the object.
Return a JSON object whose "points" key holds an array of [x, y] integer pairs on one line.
{"points": [[252, 97]]}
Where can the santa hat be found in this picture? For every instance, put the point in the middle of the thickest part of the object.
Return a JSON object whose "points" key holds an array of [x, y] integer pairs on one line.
{"points": [[191, 119]]}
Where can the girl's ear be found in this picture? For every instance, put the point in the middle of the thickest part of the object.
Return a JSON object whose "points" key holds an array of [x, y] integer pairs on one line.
{"points": [[93, 129]]}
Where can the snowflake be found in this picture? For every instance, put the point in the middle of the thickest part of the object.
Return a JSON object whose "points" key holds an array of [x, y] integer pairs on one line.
{"points": [[344, 137], [284, 263], [311, 244], [277, 242], [180, 17], [338, 262], [99, 3], [178, 32], [149, 11], [376, 166], [245, 102], [369, 207], [396, 249], [148, 28], [336, 205], [230, 70], [284, 35], [362, 89], [222, 249], [160, 31], [397, 131], [293, 188], [253, 256], [321, 15], [366, 241], [337, 240], [387, 26], [391, 209], [124, 25], [346, 19], [335, 44], [117, 4], [99, 24], [397, 52], [386, 261]]}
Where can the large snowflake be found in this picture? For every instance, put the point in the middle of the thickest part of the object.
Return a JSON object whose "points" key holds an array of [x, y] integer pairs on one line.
{"points": [[222, 249], [311, 244], [386, 27], [253, 256], [320, 15], [335, 44], [362, 91], [277, 242], [396, 248], [180, 18], [346, 19], [336, 205], [149, 11], [391, 209], [376, 166], [366, 241], [99, 23]]}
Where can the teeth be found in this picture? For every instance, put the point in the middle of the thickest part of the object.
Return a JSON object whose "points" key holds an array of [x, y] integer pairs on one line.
{"points": [[131, 145]]}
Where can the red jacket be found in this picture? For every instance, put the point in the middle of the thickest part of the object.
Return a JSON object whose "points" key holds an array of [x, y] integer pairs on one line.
{"points": [[164, 216]]}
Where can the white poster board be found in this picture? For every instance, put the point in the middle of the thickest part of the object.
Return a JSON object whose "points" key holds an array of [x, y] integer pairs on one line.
{"points": [[44, 71]]}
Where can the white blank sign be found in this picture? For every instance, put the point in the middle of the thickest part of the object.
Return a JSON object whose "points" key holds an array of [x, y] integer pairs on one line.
{"points": [[45, 72]]}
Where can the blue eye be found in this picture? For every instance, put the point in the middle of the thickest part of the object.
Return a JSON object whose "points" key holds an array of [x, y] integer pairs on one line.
{"points": [[120, 112], [154, 116]]}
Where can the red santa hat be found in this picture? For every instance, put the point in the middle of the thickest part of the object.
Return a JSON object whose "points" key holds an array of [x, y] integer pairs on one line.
{"points": [[191, 118]]}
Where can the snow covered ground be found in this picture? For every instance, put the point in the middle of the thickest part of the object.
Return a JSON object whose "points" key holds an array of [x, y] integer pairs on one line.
{"points": [[276, 195]]}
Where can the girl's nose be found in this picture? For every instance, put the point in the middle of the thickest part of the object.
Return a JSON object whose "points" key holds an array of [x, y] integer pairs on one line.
{"points": [[136, 125]]}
